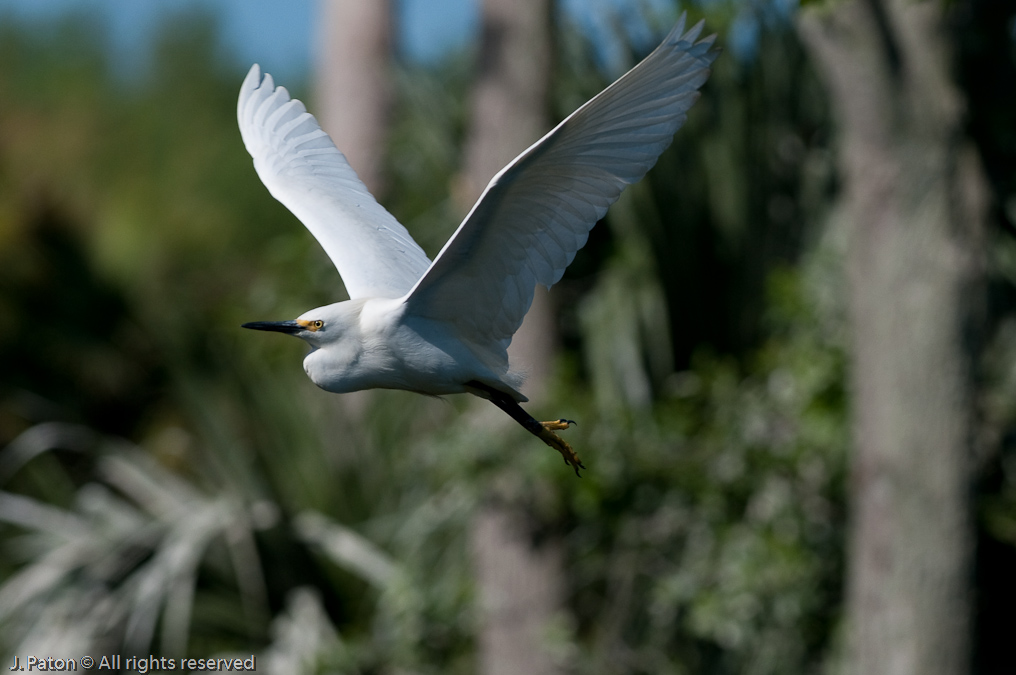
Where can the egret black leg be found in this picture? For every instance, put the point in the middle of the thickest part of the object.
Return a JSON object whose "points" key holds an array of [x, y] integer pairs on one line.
{"points": [[542, 430]]}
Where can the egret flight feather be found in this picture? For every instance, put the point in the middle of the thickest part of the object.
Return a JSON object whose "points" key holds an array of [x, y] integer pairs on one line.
{"points": [[300, 165]]}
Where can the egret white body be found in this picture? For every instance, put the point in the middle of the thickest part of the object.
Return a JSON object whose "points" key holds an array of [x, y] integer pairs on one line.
{"points": [[443, 327], [373, 344]]}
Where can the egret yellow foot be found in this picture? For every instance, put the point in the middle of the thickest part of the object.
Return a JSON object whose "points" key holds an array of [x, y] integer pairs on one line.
{"points": [[547, 435], [542, 430]]}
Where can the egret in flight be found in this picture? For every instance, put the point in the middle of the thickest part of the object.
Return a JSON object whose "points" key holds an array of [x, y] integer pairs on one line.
{"points": [[443, 327]]}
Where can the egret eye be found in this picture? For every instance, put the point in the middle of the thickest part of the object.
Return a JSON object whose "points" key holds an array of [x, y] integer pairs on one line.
{"points": [[312, 326]]}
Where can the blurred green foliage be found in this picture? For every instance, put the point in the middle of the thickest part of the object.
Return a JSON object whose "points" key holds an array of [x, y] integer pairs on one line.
{"points": [[169, 484]]}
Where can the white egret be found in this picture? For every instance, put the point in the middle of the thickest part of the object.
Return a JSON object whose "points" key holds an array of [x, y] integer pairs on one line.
{"points": [[443, 327]]}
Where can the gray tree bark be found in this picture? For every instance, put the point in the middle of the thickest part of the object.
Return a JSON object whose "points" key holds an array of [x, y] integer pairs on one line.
{"points": [[508, 114], [354, 82], [354, 93], [521, 591], [914, 195], [520, 587]]}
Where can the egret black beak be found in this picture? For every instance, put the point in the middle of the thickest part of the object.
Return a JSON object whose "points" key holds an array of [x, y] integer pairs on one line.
{"points": [[276, 326]]}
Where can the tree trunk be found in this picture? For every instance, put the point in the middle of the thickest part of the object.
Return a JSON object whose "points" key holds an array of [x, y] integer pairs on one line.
{"points": [[354, 84], [354, 94], [509, 113], [520, 587], [521, 592], [914, 194]]}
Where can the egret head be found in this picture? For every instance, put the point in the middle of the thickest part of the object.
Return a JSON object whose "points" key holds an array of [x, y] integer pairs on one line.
{"points": [[318, 326], [305, 329]]}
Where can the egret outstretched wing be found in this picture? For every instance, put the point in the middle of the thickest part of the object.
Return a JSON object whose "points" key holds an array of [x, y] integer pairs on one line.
{"points": [[302, 168], [537, 212]]}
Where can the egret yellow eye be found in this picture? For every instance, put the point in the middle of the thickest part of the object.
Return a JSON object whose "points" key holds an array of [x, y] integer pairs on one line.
{"points": [[318, 325], [311, 325]]}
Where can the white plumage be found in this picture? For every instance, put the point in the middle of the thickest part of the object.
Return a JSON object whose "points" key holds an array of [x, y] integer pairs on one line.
{"points": [[444, 327], [303, 169]]}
